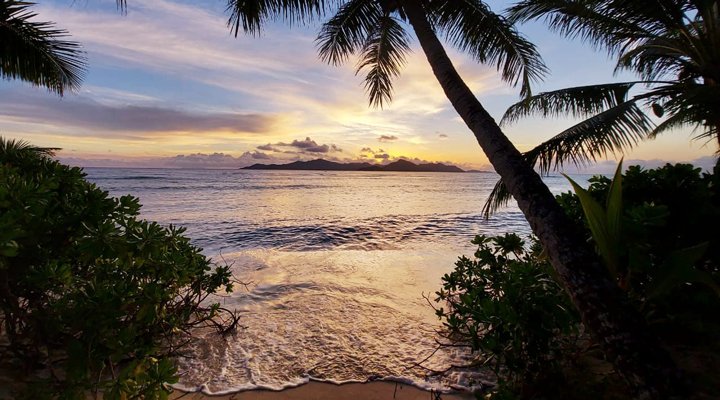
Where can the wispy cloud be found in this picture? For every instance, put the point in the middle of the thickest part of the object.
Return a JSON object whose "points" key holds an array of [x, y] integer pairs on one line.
{"points": [[82, 112], [387, 138]]}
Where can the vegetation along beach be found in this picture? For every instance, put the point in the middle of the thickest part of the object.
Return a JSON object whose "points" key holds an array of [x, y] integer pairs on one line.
{"points": [[359, 199]]}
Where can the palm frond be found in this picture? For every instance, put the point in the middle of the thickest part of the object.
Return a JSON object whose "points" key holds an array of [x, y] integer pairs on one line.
{"points": [[383, 55], [471, 27], [615, 130], [21, 146], [251, 15], [698, 106], [676, 121], [577, 102], [499, 197], [36, 52], [612, 131], [607, 24], [346, 32], [658, 58]]}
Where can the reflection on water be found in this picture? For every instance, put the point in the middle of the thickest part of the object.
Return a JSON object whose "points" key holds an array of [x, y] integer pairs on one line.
{"points": [[339, 262]]}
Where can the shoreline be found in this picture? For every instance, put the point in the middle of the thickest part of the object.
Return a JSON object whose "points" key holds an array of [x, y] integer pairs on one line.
{"points": [[379, 390]]}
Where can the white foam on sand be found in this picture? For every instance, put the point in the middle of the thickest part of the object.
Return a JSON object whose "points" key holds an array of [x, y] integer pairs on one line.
{"points": [[329, 316]]}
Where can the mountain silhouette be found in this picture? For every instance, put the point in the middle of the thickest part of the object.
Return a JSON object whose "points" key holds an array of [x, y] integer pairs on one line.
{"points": [[324, 165]]}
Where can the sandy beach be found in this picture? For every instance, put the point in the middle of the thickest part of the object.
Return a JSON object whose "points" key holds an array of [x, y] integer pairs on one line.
{"points": [[328, 391]]}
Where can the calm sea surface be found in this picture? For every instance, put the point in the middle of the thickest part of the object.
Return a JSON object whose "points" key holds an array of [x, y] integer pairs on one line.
{"points": [[338, 263]]}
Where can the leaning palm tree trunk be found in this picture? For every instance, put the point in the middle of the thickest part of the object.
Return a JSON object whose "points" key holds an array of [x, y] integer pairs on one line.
{"points": [[605, 311]]}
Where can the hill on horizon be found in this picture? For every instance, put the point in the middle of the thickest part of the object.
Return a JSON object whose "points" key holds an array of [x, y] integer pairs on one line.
{"points": [[324, 165]]}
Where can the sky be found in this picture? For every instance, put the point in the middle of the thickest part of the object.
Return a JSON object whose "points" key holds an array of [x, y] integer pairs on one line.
{"points": [[168, 86]]}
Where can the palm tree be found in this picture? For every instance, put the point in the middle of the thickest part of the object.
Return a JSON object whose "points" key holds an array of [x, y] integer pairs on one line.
{"points": [[373, 30], [36, 52], [674, 48], [21, 146]]}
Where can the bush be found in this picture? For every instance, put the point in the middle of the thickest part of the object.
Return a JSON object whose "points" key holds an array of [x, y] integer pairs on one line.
{"points": [[90, 294], [668, 245], [507, 305]]}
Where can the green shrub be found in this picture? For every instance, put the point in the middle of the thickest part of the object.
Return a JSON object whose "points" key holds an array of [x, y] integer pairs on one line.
{"points": [[668, 244], [90, 294], [507, 305]]}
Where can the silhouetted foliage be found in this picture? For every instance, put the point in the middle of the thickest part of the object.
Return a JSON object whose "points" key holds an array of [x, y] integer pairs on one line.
{"points": [[668, 247], [36, 52], [371, 30], [669, 44], [507, 305], [657, 232], [92, 297]]}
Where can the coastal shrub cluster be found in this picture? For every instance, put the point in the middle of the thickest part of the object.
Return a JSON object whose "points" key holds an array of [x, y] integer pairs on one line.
{"points": [[667, 247], [507, 305], [92, 297]]}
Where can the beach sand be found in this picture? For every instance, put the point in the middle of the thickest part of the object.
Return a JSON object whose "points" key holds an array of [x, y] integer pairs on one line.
{"points": [[329, 391]]}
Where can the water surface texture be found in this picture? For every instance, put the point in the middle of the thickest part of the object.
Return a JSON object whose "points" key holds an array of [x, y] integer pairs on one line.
{"points": [[338, 264]]}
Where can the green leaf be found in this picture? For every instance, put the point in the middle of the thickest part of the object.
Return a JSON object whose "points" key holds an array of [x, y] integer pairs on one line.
{"points": [[680, 269], [597, 220], [9, 249]]}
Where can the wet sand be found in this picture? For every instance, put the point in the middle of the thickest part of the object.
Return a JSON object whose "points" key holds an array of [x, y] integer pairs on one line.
{"points": [[329, 391]]}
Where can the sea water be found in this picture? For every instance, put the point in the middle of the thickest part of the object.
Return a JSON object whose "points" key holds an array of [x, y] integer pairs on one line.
{"points": [[341, 268]]}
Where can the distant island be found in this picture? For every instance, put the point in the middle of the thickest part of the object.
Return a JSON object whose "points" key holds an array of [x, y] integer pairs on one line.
{"points": [[324, 165]]}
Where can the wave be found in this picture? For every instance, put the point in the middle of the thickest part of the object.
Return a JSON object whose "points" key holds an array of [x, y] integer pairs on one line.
{"points": [[130, 178], [386, 233]]}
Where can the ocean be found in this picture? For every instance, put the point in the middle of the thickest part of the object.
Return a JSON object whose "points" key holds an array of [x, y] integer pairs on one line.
{"points": [[339, 268]]}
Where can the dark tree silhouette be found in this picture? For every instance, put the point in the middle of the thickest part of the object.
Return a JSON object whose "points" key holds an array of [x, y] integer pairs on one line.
{"points": [[674, 48], [36, 52]]}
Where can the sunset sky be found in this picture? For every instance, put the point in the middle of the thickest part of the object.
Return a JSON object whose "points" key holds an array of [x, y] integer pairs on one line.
{"points": [[168, 86]]}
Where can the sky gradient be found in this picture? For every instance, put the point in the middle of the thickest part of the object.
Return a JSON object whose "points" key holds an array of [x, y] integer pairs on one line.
{"points": [[169, 86]]}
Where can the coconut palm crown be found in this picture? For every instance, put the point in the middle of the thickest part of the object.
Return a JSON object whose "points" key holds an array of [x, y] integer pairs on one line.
{"points": [[374, 31], [674, 48], [36, 52]]}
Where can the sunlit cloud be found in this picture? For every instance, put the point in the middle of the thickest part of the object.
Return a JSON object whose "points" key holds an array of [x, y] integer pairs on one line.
{"points": [[310, 146], [387, 138]]}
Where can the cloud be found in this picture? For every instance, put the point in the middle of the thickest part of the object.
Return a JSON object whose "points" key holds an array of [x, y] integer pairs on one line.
{"points": [[212, 161], [387, 138], [308, 145], [83, 112], [201, 160], [382, 156], [443, 136], [367, 150], [259, 155], [267, 147]]}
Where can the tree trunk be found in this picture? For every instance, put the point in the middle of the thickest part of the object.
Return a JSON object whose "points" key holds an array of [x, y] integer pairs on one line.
{"points": [[616, 325]]}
